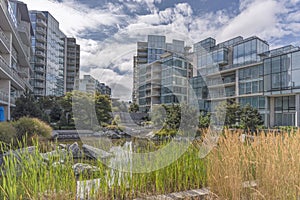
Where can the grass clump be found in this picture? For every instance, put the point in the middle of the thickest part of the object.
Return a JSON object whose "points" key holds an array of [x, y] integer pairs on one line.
{"points": [[271, 160]]}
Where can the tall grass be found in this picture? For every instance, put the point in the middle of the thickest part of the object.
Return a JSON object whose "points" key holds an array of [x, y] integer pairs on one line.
{"points": [[34, 179], [272, 161]]}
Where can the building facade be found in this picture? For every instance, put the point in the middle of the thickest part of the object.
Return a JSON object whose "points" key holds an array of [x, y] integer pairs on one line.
{"points": [[161, 72], [56, 57], [91, 85], [246, 71], [15, 52], [242, 70], [72, 63]]}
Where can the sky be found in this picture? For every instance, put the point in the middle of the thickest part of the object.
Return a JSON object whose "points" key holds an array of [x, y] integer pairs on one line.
{"points": [[107, 30]]}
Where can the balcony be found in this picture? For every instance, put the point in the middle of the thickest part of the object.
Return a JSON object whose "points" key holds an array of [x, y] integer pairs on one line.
{"points": [[24, 32], [3, 96], [12, 100], [40, 46], [40, 38], [40, 54], [41, 30], [39, 77], [40, 62], [39, 69], [23, 72], [4, 42], [11, 73], [39, 85], [41, 22]]}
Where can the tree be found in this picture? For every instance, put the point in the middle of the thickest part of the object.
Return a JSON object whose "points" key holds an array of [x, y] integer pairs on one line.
{"points": [[133, 108], [26, 106], [250, 118], [103, 108], [229, 112], [204, 120]]}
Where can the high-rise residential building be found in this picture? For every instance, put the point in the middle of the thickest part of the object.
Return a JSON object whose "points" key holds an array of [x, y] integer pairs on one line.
{"points": [[241, 70], [247, 72], [160, 67], [91, 85], [56, 57], [72, 63], [15, 52]]}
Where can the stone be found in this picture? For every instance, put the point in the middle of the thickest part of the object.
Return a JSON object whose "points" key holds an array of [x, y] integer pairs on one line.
{"points": [[60, 153], [75, 150], [81, 168], [95, 153]]}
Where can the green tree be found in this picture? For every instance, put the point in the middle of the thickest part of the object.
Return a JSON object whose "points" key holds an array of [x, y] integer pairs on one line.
{"points": [[204, 120], [103, 108], [133, 108], [229, 112], [26, 106], [250, 118]]}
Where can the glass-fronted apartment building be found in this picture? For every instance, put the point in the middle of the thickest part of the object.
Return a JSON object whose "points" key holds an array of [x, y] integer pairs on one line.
{"points": [[160, 68], [91, 85], [15, 52], [247, 72], [242, 70], [56, 58]]}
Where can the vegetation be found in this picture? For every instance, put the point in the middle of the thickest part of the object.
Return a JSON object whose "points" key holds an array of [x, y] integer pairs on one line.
{"points": [[52, 181], [133, 108], [271, 160], [12, 133], [28, 127], [26, 106], [8, 132], [58, 111]]}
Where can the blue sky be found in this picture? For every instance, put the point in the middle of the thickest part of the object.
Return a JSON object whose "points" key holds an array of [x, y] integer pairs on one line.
{"points": [[108, 30]]}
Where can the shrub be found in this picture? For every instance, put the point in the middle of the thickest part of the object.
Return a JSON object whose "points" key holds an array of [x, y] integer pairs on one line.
{"points": [[7, 132], [32, 126]]}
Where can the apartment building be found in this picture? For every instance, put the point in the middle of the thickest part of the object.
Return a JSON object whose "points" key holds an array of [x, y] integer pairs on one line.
{"points": [[161, 72], [56, 58], [242, 70], [247, 72], [91, 85], [15, 52], [72, 63]]}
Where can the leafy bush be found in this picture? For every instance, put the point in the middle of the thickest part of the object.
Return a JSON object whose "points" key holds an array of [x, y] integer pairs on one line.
{"points": [[32, 126], [7, 132]]}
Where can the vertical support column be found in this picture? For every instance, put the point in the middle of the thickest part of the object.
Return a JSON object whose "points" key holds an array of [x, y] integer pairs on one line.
{"points": [[297, 114], [272, 111], [267, 112], [9, 100], [237, 92]]}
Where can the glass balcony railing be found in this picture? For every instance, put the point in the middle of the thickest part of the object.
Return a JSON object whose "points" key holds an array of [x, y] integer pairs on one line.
{"points": [[4, 38]]}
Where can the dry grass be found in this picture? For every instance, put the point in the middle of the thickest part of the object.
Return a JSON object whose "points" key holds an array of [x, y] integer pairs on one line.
{"points": [[273, 161]]}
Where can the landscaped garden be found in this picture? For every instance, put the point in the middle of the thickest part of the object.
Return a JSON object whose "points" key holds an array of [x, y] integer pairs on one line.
{"points": [[266, 166]]}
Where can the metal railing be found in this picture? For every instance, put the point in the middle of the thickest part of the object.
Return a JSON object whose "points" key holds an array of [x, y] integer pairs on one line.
{"points": [[4, 38], [11, 72], [3, 96]]}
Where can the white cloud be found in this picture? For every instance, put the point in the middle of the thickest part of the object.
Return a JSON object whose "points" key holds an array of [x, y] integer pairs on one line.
{"points": [[106, 60], [75, 17], [259, 18]]}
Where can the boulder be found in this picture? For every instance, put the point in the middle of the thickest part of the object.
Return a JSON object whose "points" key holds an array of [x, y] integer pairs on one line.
{"points": [[56, 154], [75, 150], [81, 168], [95, 153]]}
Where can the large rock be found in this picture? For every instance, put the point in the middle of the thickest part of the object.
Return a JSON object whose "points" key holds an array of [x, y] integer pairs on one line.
{"points": [[81, 168], [60, 154], [95, 153], [75, 150], [19, 154]]}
